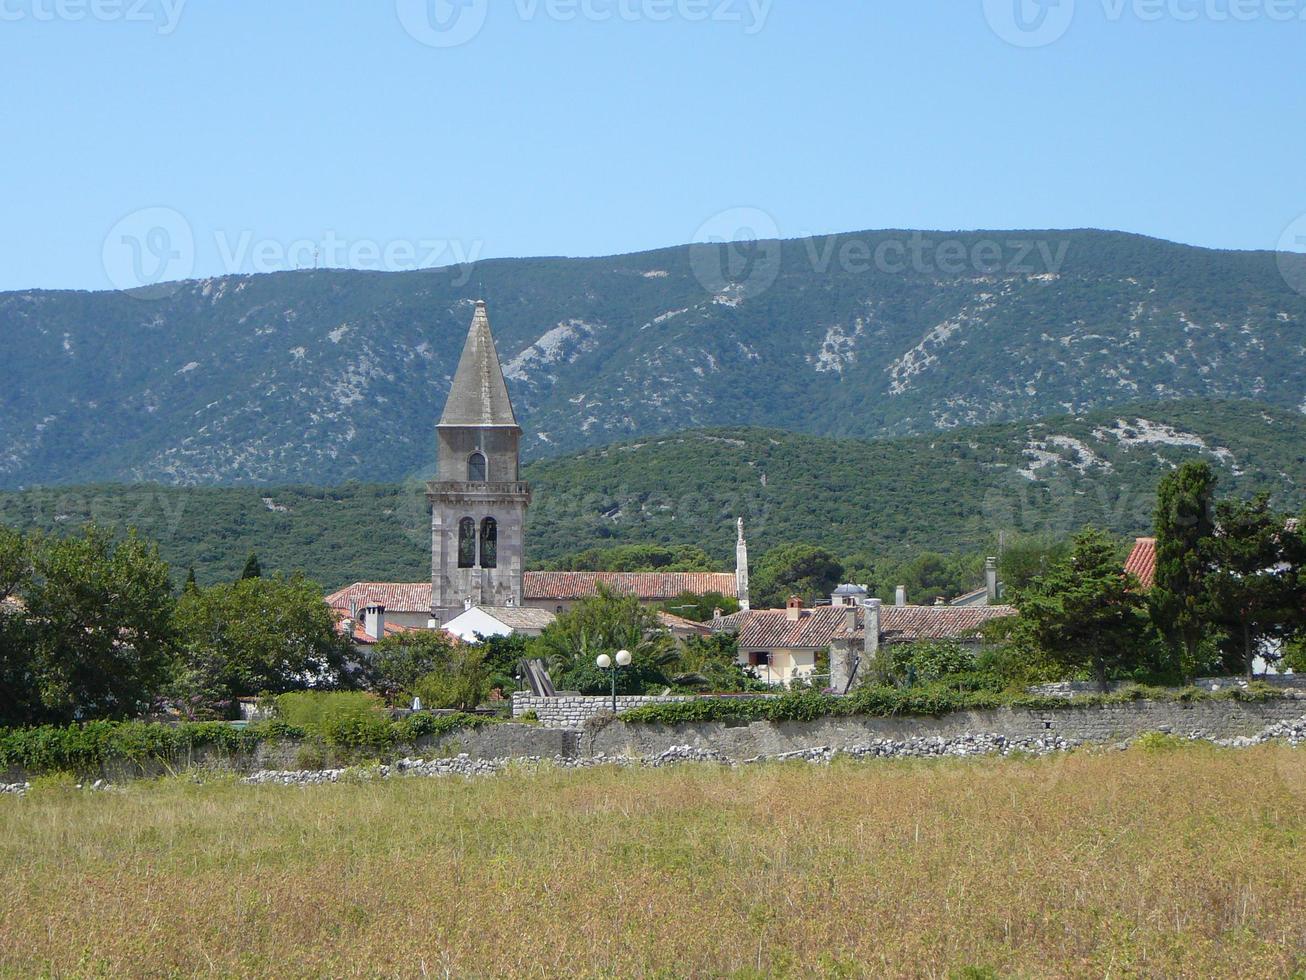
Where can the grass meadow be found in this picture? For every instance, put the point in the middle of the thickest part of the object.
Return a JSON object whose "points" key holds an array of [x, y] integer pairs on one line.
{"points": [[1180, 862]]}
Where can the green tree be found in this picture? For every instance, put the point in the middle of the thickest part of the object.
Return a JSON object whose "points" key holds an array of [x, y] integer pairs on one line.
{"points": [[461, 680], [711, 663], [252, 568], [638, 558], [261, 635], [397, 662], [191, 584], [1029, 556], [794, 569], [1185, 524], [930, 576], [1255, 580], [606, 623], [701, 608], [100, 621], [1085, 612], [20, 697]]}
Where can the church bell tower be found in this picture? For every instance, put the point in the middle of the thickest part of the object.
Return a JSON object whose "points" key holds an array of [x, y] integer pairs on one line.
{"points": [[478, 503]]}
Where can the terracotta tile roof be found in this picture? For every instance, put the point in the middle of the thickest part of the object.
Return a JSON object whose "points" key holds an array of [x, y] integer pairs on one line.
{"points": [[414, 597], [907, 624], [360, 635], [1142, 561], [397, 597], [763, 629], [645, 585], [673, 622], [520, 617], [768, 629]]}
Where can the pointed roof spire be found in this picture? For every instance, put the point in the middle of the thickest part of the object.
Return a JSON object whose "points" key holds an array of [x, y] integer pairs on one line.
{"points": [[479, 395]]}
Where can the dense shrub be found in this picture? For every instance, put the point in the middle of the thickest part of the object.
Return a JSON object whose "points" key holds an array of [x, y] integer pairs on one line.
{"points": [[928, 700], [86, 748]]}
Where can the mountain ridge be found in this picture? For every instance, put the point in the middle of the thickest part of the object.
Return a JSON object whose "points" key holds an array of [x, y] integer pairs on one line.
{"points": [[319, 376]]}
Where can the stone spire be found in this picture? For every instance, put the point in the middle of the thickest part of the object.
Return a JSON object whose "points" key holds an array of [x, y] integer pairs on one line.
{"points": [[741, 567], [479, 395]]}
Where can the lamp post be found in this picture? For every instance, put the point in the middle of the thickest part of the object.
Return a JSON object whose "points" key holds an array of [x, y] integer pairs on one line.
{"points": [[605, 663]]}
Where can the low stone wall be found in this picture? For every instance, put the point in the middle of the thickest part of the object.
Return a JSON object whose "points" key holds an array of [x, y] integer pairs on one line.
{"points": [[1102, 723], [1070, 689], [574, 711], [487, 742]]}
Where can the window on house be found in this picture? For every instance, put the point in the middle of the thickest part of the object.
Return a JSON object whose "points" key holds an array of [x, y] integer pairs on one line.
{"points": [[467, 543], [476, 469], [760, 659], [489, 543]]}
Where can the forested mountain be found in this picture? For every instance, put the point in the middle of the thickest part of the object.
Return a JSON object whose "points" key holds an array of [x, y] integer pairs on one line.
{"points": [[326, 376], [949, 492]]}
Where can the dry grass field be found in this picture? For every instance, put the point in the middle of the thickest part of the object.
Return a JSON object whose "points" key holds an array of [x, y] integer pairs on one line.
{"points": [[1166, 863]]}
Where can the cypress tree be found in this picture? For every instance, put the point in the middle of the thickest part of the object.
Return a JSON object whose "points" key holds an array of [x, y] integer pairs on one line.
{"points": [[1184, 525]]}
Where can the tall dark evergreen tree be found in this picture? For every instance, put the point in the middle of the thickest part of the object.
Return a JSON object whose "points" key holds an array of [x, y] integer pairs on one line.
{"points": [[1185, 522], [1085, 612], [252, 568], [191, 585], [1256, 579]]}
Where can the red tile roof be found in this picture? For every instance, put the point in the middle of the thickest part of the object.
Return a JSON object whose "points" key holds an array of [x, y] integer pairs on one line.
{"points": [[360, 635], [768, 629], [398, 597], [1142, 561], [764, 629], [645, 585], [412, 597]]}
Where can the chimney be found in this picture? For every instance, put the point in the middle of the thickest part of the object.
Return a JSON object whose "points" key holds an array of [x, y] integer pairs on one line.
{"points": [[716, 612], [841, 655], [794, 609], [991, 580], [900, 595], [871, 641], [374, 621]]}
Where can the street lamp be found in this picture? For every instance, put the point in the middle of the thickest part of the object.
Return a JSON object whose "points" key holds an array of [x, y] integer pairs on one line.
{"points": [[605, 662]]}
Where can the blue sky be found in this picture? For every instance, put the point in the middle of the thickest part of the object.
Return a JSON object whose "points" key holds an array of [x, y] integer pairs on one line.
{"points": [[250, 133]]}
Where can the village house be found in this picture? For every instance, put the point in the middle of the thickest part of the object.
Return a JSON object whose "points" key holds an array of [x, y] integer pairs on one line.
{"points": [[784, 645]]}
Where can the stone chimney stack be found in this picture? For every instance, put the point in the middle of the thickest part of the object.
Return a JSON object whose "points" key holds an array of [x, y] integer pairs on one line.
{"points": [[794, 609], [991, 580], [841, 655], [374, 621], [900, 596], [871, 639]]}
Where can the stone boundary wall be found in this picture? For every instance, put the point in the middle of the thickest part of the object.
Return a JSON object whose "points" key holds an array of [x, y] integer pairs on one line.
{"points": [[573, 711], [487, 742], [1070, 689], [1091, 723]]}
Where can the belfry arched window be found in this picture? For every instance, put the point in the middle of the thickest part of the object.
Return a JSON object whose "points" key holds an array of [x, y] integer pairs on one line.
{"points": [[489, 543], [467, 543], [476, 468]]}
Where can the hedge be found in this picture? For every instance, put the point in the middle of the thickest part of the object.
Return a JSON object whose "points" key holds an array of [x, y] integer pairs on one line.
{"points": [[89, 746], [930, 701]]}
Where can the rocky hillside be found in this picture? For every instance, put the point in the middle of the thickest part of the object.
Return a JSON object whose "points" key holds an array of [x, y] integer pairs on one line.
{"points": [[949, 492], [324, 376]]}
